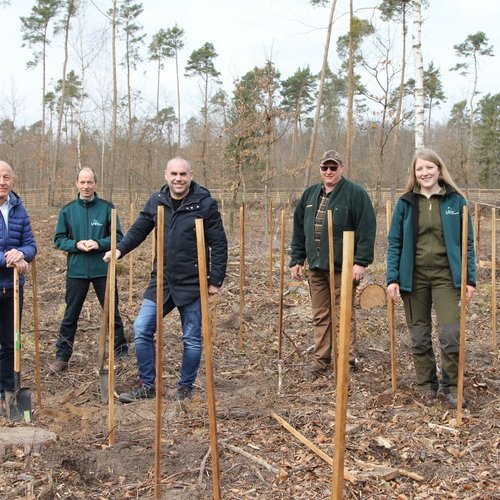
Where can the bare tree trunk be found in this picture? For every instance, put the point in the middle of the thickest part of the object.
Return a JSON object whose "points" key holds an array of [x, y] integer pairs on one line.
{"points": [[204, 146], [419, 74], [55, 164], [312, 145], [395, 142], [179, 127], [350, 96], [115, 104], [43, 164]]}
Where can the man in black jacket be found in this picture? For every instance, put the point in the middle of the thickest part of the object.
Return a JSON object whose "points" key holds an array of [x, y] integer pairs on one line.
{"points": [[184, 201]]}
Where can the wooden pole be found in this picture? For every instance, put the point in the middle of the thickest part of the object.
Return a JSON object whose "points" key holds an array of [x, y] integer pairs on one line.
{"points": [[302, 438], [271, 230], [282, 291], [111, 340], [207, 349], [477, 212], [333, 312], [153, 248], [463, 312], [493, 279], [160, 229], [343, 364], [390, 310], [37, 334], [131, 263], [242, 272]]}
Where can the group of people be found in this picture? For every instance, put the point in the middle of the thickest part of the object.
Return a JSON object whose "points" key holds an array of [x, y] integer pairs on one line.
{"points": [[423, 262], [423, 265]]}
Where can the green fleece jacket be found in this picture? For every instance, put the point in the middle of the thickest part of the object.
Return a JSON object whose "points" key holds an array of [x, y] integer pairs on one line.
{"points": [[86, 220], [352, 210], [403, 235]]}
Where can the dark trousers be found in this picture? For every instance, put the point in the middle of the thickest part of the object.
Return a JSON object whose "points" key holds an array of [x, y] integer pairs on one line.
{"points": [[76, 292], [7, 337]]}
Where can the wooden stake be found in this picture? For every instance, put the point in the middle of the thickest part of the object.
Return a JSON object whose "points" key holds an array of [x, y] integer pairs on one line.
{"points": [[111, 339], [333, 312], [390, 311], [309, 444], [207, 349], [493, 279], [343, 364], [215, 303], [271, 230], [160, 230], [131, 263], [477, 212], [303, 439], [153, 248], [242, 273], [463, 312], [37, 334], [282, 291]]}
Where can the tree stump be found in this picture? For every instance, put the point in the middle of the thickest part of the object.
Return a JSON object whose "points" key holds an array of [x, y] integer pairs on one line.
{"points": [[372, 295]]}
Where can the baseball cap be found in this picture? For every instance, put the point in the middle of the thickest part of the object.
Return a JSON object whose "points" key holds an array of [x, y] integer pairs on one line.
{"points": [[331, 155]]}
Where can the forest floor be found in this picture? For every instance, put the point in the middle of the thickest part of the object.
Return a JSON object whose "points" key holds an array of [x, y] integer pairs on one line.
{"points": [[396, 446]]}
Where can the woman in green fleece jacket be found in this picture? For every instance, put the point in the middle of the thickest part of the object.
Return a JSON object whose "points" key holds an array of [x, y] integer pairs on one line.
{"points": [[424, 268]]}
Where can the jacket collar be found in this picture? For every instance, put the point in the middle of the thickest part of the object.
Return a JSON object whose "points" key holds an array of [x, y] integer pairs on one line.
{"points": [[86, 203]]}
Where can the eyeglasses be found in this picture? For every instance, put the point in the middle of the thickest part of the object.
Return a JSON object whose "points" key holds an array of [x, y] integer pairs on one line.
{"points": [[333, 168]]}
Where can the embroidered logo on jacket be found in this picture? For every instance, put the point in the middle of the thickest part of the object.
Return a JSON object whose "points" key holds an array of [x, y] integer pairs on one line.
{"points": [[450, 211], [95, 222]]}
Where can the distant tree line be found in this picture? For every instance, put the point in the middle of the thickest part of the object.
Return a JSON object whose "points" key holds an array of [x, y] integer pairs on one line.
{"points": [[256, 136]]}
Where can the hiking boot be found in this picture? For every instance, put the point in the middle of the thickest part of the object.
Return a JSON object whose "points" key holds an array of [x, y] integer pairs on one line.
{"points": [[314, 371], [451, 400], [428, 396], [142, 392], [184, 393], [121, 353], [58, 366]]}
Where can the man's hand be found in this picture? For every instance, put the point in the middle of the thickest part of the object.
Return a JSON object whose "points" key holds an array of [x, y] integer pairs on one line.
{"points": [[296, 272], [107, 255], [213, 290], [87, 245], [22, 266], [358, 272], [13, 256], [469, 292]]}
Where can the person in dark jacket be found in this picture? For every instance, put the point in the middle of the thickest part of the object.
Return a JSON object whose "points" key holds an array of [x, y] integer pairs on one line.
{"points": [[83, 230], [184, 201], [17, 248], [352, 210], [424, 268]]}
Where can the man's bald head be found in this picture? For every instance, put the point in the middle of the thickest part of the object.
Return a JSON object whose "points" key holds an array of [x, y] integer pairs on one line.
{"points": [[6, 181]]}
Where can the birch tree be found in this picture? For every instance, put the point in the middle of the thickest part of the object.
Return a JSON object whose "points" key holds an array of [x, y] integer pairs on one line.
{"points": [[419, 74]]}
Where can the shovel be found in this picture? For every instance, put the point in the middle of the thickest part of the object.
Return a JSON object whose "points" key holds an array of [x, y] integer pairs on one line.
{"points": [[18, 401], [103, 370]]}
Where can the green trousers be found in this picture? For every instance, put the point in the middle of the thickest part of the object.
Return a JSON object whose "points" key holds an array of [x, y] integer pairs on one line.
{"points": [[433, 287]]}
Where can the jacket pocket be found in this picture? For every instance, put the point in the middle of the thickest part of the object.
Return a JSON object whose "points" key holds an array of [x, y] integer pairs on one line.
{"points": [[340, 215]]}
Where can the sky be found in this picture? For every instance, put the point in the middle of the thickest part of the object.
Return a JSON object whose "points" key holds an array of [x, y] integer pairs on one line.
{"points": [[291, 33]]}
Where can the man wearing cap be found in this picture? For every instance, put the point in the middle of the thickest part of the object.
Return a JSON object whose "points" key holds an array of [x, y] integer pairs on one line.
{"points": [[352, 210]]}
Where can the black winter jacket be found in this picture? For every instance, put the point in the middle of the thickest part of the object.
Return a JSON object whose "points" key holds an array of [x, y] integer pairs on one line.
{"points": [[181, 280]]}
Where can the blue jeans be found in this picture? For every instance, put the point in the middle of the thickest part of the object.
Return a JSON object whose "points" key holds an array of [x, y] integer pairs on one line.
{"points": [[144, 331]]}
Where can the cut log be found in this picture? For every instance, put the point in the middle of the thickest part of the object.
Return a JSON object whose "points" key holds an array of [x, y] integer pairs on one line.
{"points": [[372, 295], [29, 439]]}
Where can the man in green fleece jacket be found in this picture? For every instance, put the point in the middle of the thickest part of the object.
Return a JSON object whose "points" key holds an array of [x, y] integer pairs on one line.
{"points": [[352, 210], [83, 230]]}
